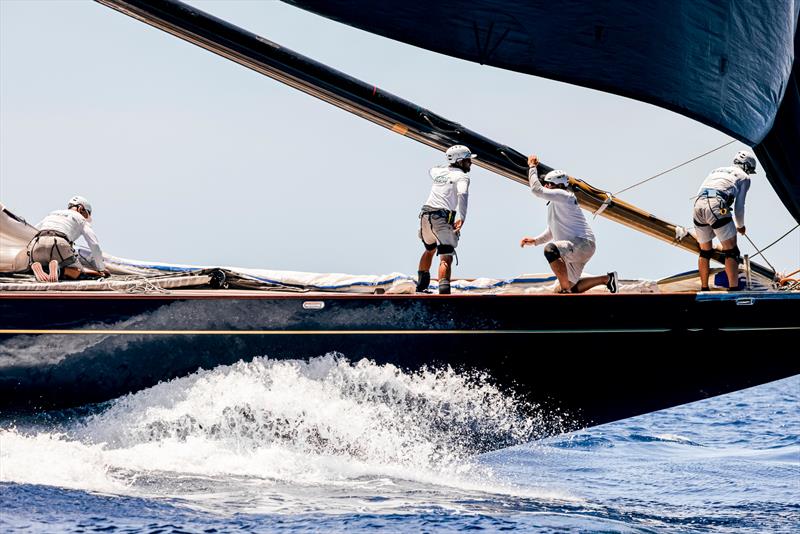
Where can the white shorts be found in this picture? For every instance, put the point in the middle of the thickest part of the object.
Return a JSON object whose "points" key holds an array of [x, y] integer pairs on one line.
{"points": [[576, 255], [707, 212]]}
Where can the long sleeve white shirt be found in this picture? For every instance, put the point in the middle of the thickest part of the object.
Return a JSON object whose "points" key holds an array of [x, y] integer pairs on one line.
{"points": [[734, 183], [565, 219], [450, 190], [73, 225]]}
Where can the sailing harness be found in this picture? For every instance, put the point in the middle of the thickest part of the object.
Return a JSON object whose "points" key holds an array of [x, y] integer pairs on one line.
{"points": [[447, 215], [450, 218], [724, 207], [54, 247]]}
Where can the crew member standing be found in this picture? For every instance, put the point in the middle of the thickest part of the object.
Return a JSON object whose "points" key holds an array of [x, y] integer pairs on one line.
{"points": [[443, 216], [723, 191]]}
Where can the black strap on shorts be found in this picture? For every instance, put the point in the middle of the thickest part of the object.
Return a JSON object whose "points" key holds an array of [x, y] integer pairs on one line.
{"points": [[447, 215], [53, 233], [54, 248], [724, 207], [721, 222]]}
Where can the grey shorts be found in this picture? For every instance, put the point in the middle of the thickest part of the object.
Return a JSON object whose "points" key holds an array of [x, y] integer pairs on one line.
{"points": [[47, 247], [707, 211], [434, 230], [576, 254]]}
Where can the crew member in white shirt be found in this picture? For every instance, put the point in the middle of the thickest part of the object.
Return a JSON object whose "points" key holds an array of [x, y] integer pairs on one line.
{"points": [[54, 242], [568, 240], [723, 191], [443, 215]]}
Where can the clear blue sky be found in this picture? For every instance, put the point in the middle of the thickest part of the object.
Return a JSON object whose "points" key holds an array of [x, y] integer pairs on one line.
{"points": [[189, 158]]}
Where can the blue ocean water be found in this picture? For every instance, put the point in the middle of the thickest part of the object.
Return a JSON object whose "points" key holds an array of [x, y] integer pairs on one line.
{"points": [[330, 445]]}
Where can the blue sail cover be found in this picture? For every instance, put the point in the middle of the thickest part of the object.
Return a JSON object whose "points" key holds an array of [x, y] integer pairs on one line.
{"points": [[727, 63]]}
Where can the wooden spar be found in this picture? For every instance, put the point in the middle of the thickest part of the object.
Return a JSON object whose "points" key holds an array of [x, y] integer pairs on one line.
{"points": [[378, 106]]}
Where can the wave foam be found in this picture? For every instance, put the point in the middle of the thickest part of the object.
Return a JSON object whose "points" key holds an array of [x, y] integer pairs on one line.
{"points": [[324, 421]]}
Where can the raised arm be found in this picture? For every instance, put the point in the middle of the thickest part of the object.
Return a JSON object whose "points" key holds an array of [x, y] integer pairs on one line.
{"points": [[550, 195]]}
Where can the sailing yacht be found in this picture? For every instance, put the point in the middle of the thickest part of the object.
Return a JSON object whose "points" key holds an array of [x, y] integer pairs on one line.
{"points": [[599, 357]]}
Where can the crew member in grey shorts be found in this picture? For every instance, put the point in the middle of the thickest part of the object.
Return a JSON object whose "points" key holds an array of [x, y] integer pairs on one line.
{"points": [[53, 244], [723, 191], [443, 216]]}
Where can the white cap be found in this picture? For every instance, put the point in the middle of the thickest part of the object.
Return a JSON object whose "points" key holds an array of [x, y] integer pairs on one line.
{"points": [[556, 177], [80, 201], [746, 160], [458, 152]]}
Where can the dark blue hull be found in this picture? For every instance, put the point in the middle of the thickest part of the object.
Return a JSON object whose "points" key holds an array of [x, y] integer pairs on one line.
{"points": [[600, 357]]}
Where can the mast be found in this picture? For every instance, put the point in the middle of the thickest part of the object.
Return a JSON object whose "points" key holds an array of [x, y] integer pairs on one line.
{"points": [[378, 106]]}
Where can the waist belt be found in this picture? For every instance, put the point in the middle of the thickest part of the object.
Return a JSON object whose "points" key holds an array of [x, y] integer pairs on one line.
{"points": [[53, 233], [711, 193], [724, 203], [449, 216]]}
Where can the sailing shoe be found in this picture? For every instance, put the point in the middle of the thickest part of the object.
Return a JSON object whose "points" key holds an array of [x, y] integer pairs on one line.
{"points": [[423, 281], [612, 282], [39, 273], [444, 287], [53, 271]]}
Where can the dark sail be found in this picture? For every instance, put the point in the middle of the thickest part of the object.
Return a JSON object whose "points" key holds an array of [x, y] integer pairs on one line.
{"points": [[729, 64]]}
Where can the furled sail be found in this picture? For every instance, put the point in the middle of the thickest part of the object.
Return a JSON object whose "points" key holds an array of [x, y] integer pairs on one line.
{"points": [[376, 105], [731, 64]]}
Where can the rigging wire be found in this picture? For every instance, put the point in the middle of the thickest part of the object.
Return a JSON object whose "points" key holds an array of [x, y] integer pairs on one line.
{"points": [[637, 184], [761, 252]]}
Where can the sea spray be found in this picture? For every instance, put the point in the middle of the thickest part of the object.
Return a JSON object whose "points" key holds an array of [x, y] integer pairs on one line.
{"points": [[324, 422], [429, 418], [724, 464]]}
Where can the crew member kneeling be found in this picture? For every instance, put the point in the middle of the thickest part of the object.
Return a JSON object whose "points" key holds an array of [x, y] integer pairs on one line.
{"points": [[568, 239], [53, 244]]}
